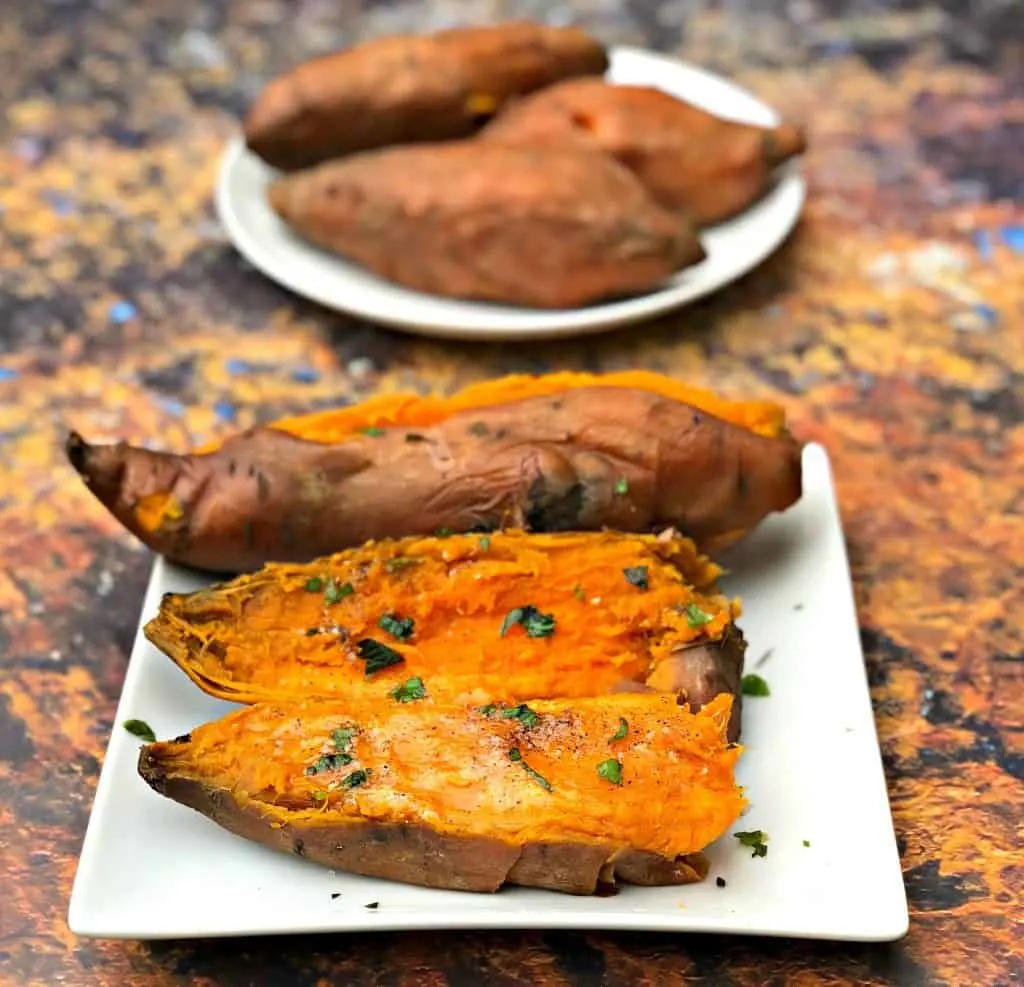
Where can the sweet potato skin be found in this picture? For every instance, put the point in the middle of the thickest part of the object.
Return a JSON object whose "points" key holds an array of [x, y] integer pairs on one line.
{"points": [[587, 459], [443, 801], [403, 90], [687, 159], [283, 634], [551, 228]]}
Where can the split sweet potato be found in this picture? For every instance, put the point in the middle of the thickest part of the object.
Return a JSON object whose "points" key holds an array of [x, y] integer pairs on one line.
{"points": [[471, 618], [569, 796], [401, 90], [582, 458], [549, 228], [687, 159]]}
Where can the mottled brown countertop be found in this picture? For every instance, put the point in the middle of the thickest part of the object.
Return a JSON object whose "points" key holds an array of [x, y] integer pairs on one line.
{"points": [[891, 326]]}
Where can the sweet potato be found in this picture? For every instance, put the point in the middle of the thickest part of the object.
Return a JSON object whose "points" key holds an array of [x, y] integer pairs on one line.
{"points": [[625, 610], [401, 90], [581, 793], [585, 457], [688, 159], [551, 228]]}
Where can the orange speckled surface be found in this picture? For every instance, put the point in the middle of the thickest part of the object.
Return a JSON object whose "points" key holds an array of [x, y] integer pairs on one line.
{"points": [[891, 326]]}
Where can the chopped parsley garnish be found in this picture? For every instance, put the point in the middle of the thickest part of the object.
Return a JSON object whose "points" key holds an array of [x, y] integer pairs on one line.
{"points": [[514, 755], [314, 585], [443, 533], [399, 562], [756, 839], [577, 591], [335, 592], [410, 691], [329, 762], [522, 713], [620, 734], [754, 685], [535, 623], [342, 737], [485, 543], [622, 486], [374, 431], [611, 770], [636, 576], [372, 904], [359, 777], [807, 842], [696, 617], [400, 628], [319, 795], [140, 729], [376, 655]]}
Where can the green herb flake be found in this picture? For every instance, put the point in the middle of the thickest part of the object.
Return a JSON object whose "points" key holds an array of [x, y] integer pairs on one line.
{"points": [[342, 737], [372, 905], [577, 591], [377, 656], [620, 734], [400, 628], [485, 543], [535, 623], [374, 431], [611, 770], [637, 576], [399, 563], [336, 592], [522, 713], [443, 533], [319, 795], [488, 709], [140, 729], [754, 685], [696, 617], [356, 779], [515, 756], [410, 691], [329, 762], [756, 839], [807, 842], [314, 585], [622, 486]]}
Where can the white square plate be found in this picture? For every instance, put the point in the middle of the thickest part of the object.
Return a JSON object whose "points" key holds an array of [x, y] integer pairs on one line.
{"points": [[153, 869]]}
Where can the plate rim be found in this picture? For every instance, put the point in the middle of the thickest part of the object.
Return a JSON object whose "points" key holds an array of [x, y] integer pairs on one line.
{"points": [[509, 322], [85, 921]]}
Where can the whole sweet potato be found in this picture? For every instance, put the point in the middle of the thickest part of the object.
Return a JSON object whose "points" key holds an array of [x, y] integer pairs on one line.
{"points": [[585, 457], [550, 228], [687, 158], [402, 90], [565, 795], [466, 618]]}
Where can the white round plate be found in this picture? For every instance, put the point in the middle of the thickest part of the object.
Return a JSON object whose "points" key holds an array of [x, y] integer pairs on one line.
{"points": [[733, 248]]}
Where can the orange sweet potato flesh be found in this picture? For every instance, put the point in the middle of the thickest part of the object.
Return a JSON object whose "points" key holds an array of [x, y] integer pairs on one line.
{"points": [[628, 611], [404, 90], [582, 458], [450, 797], [551, 228], [688, 159]]}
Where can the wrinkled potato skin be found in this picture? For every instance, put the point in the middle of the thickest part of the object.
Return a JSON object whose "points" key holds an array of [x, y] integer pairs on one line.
{"points": [[543, 464], [403, 90], [551, 228], [687, 159]]}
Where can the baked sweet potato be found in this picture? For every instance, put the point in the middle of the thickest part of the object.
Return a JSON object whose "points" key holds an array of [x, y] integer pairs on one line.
{"points": [[551, 228], [581, 793], [401, 90], [584, 457], [466, 618], [688, 159]]}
